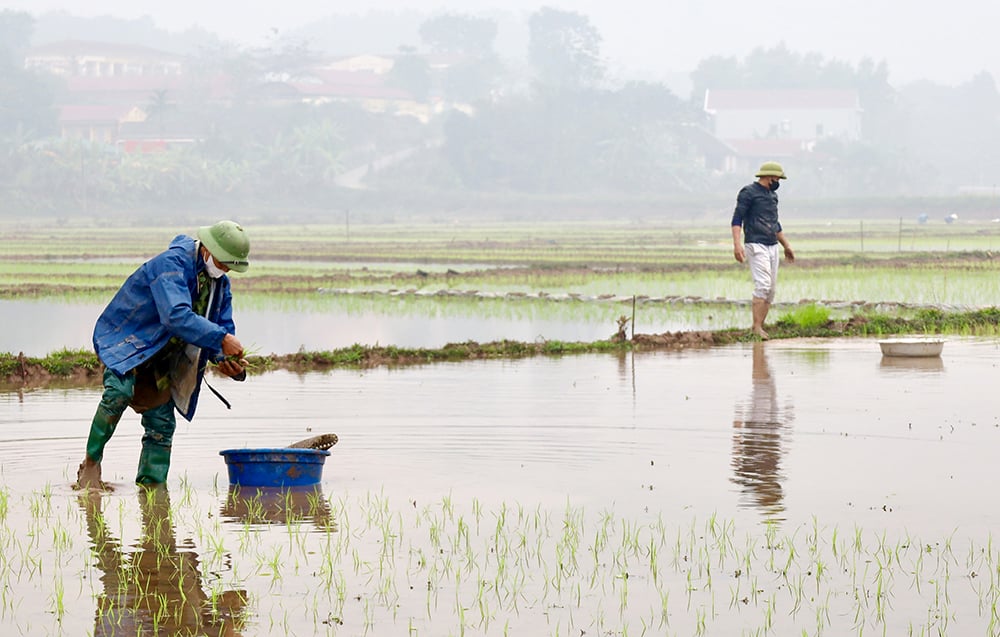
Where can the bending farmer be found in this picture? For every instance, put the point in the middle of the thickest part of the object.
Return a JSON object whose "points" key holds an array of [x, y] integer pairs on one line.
{"points": [[756, 214], [155, 337]]}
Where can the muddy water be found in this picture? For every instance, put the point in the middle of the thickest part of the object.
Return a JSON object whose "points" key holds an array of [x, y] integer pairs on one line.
{"points": [[40, 327], [798, 433]]}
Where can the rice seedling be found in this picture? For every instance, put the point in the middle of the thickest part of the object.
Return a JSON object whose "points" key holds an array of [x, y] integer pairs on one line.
{"points": [[527, 271], [806, 316], [484, 566]]}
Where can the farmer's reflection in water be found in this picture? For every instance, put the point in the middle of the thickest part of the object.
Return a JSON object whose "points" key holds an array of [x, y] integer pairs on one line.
{"points": [[155, 587], [758, 428]]}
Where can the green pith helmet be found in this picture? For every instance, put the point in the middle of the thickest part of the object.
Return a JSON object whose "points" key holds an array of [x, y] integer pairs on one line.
{"points": [[228, 243], [771, 169]]}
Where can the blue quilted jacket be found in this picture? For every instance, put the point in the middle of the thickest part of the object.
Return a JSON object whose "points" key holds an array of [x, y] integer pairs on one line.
{"points": [[155, 304]]}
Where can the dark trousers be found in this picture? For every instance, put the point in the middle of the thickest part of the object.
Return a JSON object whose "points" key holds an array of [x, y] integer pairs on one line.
{"points": [[159, 424]]}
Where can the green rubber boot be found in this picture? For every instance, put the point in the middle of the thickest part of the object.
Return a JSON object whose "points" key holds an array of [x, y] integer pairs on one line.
{"points": [[154, 464], [154, 459], [114, 401]]}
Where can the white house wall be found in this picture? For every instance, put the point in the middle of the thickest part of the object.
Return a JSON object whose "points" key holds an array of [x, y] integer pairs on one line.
{"points": [[808, 124]]}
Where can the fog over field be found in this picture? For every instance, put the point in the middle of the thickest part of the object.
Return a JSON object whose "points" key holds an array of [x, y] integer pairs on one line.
{"points": [[395, 108], [945, 43]]}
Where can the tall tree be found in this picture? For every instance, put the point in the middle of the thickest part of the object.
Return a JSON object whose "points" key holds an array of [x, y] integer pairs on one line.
{"points": [[474, 69], [158, 107], [412, 73], [954, 127], [716, 72], [26, 98], [461, 34], [565, 50], [15, 37]]}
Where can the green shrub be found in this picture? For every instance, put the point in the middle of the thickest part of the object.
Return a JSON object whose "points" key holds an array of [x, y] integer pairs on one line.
{"points": [[806, 316]]}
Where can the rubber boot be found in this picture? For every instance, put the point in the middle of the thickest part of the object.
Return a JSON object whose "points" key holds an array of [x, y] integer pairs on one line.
{"points": [[154, 459], [154, 464], [115, 399]]}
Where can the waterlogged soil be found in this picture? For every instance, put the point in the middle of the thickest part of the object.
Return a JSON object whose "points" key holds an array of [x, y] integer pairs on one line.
{"points": [[788, 486]]}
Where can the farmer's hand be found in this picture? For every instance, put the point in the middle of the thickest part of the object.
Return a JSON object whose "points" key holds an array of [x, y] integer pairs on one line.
{"points": [[789, 254], [233, 367], [231, 346], [738, 252]]}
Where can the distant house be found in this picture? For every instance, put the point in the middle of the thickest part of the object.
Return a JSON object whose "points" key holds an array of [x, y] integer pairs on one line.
{"points": [[775, 124], [160, 132], [370, 90], [107, 89], [140, 90], [104, 85], [95, 122], [712, 153], [71, 58], [377, 64], [129, 129], [122, 110]]}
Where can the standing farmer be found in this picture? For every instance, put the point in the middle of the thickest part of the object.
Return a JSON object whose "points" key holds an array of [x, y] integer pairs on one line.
{"points": [[756, 214], [155, 337]]}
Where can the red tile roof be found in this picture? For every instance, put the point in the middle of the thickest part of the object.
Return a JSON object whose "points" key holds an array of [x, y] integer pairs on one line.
{"points": [[86, 47], [213, 88], [118, 83], [91, 113]]}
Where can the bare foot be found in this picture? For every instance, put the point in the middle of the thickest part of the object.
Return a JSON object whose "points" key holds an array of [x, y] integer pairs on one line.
{"points": [[88, 476], [760, 333]]}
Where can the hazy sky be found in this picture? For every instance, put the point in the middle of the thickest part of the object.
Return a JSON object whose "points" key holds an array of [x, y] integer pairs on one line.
{"points": [[945, 42]]}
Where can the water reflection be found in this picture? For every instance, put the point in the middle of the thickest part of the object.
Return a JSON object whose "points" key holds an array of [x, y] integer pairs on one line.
{"points": [[155, 588], [278, 505], [274, 324], [917, 364], [758, 429]]}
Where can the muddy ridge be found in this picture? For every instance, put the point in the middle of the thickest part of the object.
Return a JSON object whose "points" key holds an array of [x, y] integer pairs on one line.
{"points": [[83, 369]]}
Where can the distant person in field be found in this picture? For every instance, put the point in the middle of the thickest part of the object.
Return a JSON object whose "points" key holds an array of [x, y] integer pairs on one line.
{"points": [[756, 215], [168, 320]]}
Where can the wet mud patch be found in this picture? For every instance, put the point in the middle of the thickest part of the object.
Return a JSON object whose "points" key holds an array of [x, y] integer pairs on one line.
{"points": [[681, 339]]}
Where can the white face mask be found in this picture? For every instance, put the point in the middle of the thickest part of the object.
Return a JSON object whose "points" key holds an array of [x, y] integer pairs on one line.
{"points": [[213, 270]]}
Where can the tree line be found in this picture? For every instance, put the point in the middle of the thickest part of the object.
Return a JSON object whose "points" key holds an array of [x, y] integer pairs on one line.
{"points": [[560, 127]]}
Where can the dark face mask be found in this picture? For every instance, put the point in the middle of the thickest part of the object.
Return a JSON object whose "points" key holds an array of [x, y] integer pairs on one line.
{"points": [[775, 183]]}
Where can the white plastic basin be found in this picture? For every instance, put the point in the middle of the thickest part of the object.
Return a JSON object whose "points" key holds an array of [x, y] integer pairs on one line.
{"points": [[912, 347]]}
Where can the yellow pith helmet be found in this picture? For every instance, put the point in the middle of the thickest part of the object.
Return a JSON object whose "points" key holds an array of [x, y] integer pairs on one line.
{"points": [[771, 169]]}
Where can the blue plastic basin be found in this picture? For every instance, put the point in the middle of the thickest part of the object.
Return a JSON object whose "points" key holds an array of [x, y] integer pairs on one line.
{"points": [[275, 467]]}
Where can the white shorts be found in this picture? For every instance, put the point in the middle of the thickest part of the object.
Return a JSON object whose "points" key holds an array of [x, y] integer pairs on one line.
{"points": [[763, 262]]}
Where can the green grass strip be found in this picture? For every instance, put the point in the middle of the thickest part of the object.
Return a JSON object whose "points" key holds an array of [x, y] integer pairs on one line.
{"points": [[85, 365]]}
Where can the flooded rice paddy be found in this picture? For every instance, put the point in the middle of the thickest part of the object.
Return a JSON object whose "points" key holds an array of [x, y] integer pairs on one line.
{"points": [[39, 327], [794, 487]]}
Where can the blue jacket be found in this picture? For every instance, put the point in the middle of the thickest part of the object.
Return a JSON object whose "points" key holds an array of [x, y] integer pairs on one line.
{"points": [[155, 304], [757, 211]]}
